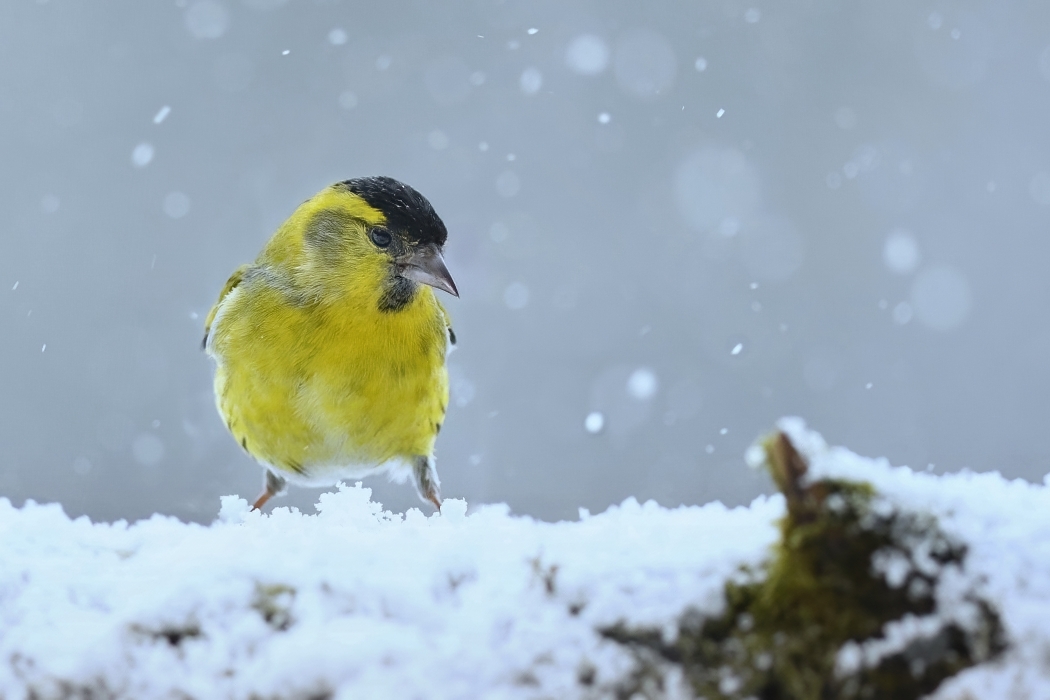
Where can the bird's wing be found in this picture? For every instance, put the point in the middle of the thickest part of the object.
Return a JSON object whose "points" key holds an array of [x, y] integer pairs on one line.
{"points": [[448, 326], [231, 283]]}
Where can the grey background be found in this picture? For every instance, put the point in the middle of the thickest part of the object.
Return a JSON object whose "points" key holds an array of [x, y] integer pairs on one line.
{"points": [[860, 238]]}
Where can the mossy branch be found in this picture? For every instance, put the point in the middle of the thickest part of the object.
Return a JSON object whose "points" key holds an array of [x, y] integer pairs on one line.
{"points": [[822, 592]]}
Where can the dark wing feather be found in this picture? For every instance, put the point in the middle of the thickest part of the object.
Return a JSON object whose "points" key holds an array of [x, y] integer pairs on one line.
{"points": [[231, 284]]}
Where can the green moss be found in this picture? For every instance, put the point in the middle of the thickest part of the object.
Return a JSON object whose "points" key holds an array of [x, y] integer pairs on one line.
{"points": [[274, 602], [782, 630]]}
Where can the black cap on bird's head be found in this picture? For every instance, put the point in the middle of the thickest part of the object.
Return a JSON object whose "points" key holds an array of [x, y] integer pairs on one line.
{"points": [[406, 210], [411, 217]]}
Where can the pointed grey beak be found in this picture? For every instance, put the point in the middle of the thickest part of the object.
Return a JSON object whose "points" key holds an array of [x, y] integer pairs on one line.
{"points": [[426, 265]]}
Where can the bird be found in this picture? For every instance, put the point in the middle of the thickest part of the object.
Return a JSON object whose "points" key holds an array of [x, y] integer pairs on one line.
{"points": [[330, 348]]}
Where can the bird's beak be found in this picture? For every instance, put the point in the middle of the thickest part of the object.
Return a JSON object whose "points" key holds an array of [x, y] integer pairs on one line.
{"points": [[425, 264]]}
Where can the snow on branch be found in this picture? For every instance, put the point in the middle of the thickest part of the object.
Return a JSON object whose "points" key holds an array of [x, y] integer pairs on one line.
{"points": [[860, 575]]}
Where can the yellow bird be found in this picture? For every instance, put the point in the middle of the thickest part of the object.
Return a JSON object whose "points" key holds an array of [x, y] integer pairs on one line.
{"points": [[330, 348]]}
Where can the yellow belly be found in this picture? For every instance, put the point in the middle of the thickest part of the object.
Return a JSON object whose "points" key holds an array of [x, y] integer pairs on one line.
{"points": [[324, 392]]}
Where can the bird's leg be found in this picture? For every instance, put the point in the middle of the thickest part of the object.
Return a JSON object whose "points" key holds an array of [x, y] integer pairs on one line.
{"points": [[273, 485], [426, 479], [261, 500]]}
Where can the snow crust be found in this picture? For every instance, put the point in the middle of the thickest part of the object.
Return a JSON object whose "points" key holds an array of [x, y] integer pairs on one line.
{"points": [[355, 601], [372, 604]]}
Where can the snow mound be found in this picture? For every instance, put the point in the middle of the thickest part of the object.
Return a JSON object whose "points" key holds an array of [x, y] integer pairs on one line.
{"points": [[356, 601], [1005, 527], [352, 602]]}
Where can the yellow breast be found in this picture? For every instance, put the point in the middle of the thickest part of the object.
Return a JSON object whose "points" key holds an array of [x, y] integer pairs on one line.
{"points": [[320, 388]]}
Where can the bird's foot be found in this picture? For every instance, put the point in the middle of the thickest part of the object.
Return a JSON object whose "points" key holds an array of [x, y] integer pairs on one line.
{"points": [[426, 479], [261, 500], [273, 485]]}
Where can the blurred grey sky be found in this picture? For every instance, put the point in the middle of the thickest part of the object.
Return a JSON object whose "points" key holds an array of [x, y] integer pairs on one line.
{"points": [[670, 223]]}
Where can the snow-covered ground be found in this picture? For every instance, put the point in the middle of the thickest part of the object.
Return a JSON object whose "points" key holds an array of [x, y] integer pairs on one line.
{"points": [[359, 602]]}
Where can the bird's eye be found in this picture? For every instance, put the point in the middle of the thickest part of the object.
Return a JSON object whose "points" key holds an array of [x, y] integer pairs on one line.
{"points": [[380, 236]]}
